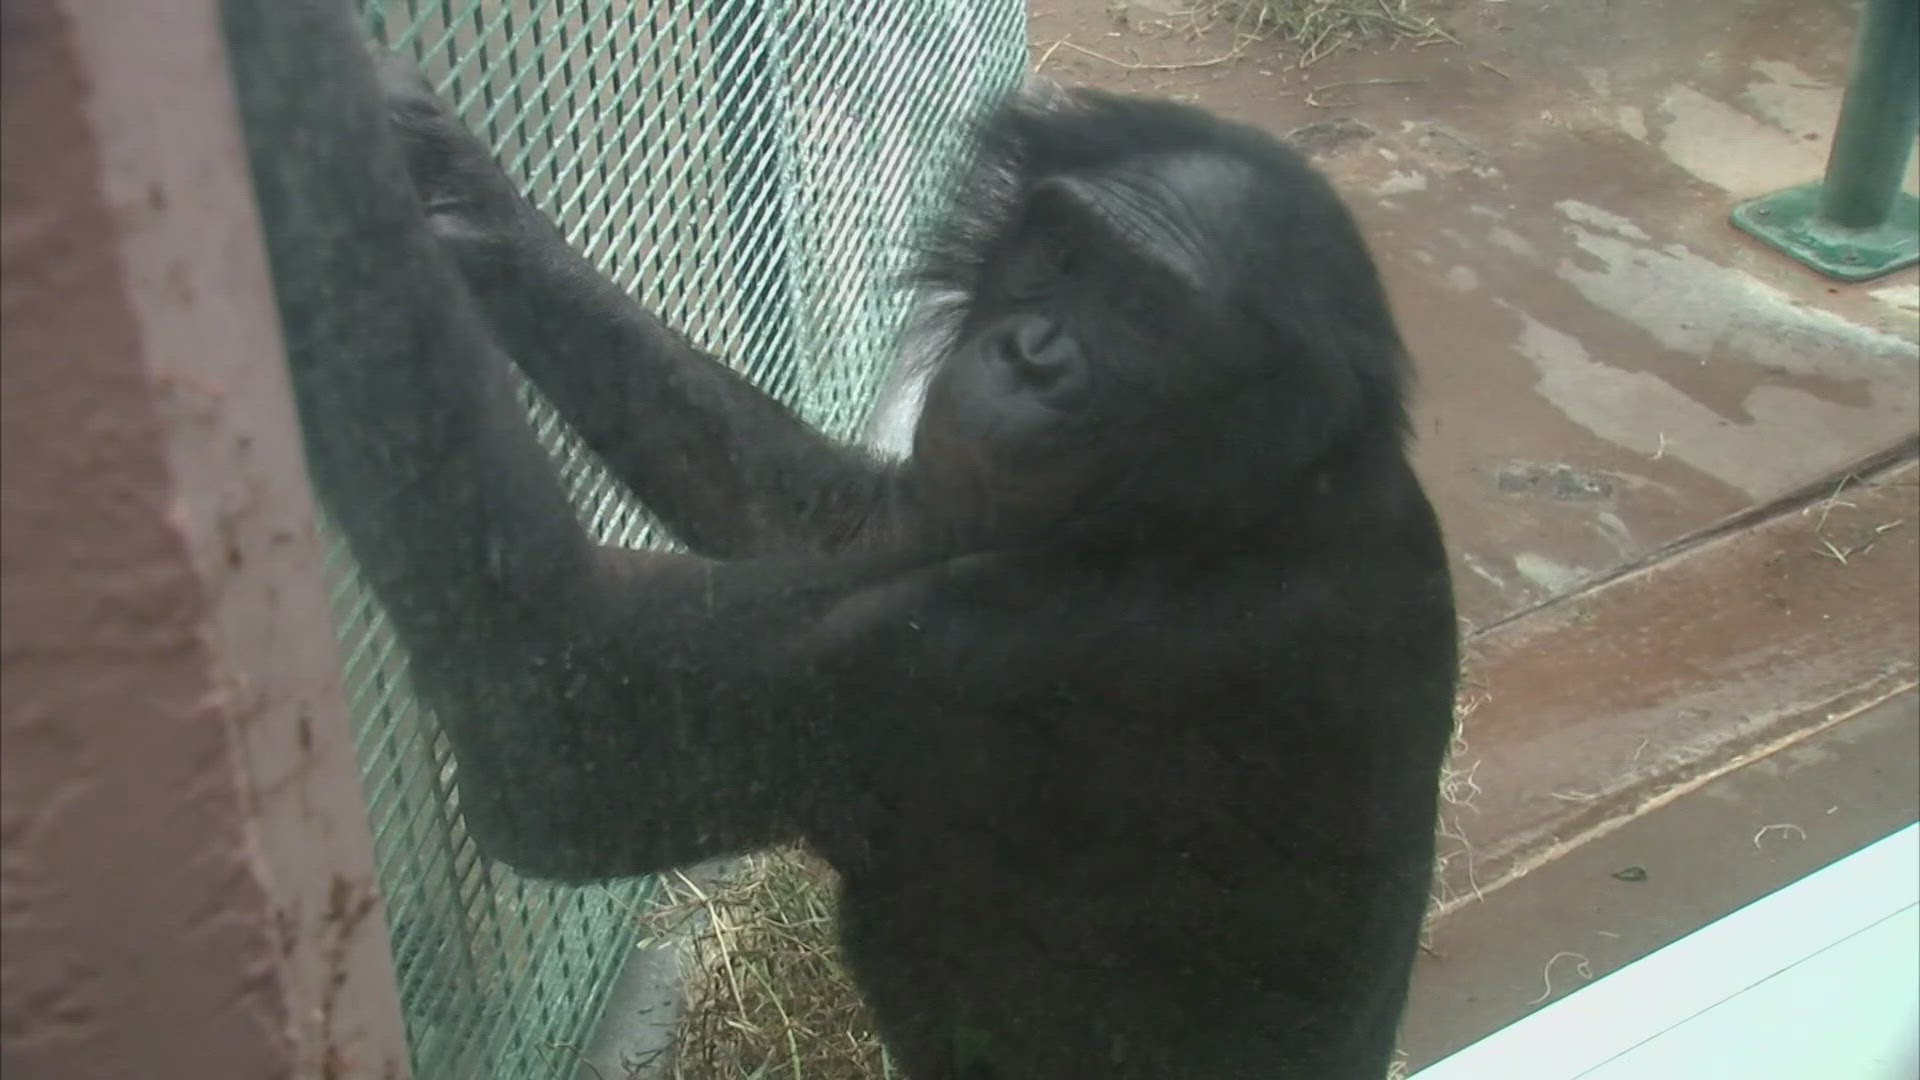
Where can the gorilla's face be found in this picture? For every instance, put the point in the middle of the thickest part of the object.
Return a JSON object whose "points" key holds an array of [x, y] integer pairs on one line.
{"points": [[1164, 311], [1093, 321]]}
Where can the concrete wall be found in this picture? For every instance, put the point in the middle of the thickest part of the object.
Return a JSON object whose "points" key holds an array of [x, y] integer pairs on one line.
{"points": [[185, 875]]}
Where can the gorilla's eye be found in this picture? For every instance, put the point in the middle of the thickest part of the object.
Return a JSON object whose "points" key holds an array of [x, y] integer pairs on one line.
{"points": [[1036, 271]]}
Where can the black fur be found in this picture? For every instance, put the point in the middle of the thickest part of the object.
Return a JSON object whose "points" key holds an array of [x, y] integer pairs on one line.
{"points": [[1119, 705]]}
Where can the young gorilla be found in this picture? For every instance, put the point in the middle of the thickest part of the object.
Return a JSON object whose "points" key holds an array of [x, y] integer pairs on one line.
{"points": [[1118, 706]]}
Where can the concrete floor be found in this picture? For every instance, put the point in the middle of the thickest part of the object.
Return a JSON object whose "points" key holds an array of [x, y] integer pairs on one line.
{"points": [[1663, 875], [1815, 979], [1677, 471]]}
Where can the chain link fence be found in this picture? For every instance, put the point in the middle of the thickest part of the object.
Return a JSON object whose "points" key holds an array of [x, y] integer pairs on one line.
{"points": [[755, 171]]}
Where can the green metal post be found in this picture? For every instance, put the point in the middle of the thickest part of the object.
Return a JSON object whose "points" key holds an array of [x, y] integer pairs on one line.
{"points": [[1877, 120], [1856, 223]]}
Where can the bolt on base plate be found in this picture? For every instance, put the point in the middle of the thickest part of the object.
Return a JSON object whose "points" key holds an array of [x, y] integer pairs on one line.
{"points": [[1790, 221]]}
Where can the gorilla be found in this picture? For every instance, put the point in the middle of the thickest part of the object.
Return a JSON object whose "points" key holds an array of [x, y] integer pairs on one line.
{"points": [[1118, 704]]}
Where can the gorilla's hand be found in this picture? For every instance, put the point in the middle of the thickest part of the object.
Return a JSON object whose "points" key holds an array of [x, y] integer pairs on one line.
{"points": [[471, 204]]}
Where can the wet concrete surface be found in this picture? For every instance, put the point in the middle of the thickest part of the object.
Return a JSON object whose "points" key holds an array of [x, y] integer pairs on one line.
{"points": [[1606, 704], [1664, 875]]}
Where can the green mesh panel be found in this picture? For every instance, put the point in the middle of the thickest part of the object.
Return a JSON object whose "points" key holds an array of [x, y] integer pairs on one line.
{"points": [[754, 171]]}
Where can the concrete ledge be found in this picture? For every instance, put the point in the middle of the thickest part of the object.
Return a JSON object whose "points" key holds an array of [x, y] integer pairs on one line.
{"points": [[1612, 701]]}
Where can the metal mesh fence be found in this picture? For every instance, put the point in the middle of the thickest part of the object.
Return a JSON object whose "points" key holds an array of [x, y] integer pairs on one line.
{"points": [[754, 171]]}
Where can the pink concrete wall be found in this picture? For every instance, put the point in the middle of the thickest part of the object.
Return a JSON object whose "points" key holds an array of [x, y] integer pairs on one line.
{"points": [[185, 877]]}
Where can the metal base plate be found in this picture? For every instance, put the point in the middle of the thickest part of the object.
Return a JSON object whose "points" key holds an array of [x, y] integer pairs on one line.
{"points": [[1790, 221]]}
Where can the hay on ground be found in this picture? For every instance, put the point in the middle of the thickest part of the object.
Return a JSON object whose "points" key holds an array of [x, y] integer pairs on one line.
{"points": [[766, 995], [1322, 27]]}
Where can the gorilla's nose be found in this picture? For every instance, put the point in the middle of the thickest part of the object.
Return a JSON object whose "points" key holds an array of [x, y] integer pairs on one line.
{"points": [[1042, 346], [1047, 359]]}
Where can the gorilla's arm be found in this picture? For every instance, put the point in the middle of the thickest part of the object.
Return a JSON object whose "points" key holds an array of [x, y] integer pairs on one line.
{"points": [[730, 470], [612, 711]]}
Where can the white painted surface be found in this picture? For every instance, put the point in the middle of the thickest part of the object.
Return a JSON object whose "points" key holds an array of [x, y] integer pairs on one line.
{"points": [[1819, 981]]}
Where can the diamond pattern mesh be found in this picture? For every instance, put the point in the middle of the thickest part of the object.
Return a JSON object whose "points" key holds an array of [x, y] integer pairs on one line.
{"points": [[754, 171]]}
